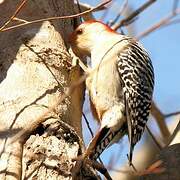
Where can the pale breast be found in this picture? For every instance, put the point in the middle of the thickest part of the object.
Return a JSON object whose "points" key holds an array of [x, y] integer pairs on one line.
{"points": [[104, 86]]}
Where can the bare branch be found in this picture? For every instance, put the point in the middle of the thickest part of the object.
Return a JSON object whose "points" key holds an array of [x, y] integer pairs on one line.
{"points": [[122, 8], [18, 19], [127, 20], [84, 7], [153, 169], [90, 130], [158, 25], [172, 114], [176, 21], [176, 130], [56, 18], [14, 15], [160, 119], [92, 134], [154, 138], [175, 5], [103, 16]]}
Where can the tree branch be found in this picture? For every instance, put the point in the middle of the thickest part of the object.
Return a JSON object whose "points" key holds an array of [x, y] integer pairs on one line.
{"points": [[158, 25], [129, 19], [160, 119], [14, 15], [56, 18]]}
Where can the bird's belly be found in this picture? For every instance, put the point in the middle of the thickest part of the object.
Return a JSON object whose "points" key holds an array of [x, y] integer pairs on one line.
{"points": [[105, 92]]}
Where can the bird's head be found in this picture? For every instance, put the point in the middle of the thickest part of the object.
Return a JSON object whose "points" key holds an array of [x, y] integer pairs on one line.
{"points": [[86, 36]]}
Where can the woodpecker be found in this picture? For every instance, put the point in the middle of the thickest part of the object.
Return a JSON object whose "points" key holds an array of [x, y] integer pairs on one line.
{"points": [[120, 84]]}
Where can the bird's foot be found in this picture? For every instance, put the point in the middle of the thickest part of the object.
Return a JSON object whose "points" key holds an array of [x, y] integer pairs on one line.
{"points": [[83, 161]]}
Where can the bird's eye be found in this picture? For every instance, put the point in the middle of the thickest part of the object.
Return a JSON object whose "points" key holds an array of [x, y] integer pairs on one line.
{"points": [[79, 31]]}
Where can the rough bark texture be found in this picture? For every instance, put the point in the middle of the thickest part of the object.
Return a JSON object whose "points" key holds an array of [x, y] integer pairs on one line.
{"points": [[35, 71]]}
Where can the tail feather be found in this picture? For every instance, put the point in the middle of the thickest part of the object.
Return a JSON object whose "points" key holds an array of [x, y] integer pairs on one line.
{"points": [[131, 153], [102, 140]]}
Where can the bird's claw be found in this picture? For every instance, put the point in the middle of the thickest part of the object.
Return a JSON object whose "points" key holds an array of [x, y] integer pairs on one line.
{"points": [[82, 161]]}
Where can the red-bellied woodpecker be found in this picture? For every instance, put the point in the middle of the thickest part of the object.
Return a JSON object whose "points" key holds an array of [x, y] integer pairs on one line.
{"points": [[120, 84]]}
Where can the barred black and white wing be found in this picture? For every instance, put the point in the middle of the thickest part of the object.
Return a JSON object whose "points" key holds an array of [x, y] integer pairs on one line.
{"points": [[137, 76]]}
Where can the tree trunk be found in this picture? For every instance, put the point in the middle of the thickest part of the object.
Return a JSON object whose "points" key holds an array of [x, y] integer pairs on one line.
{"points": [[35, 72]]}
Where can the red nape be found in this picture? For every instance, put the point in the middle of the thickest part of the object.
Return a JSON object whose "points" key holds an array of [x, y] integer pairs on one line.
{"points": [[105, 25]]}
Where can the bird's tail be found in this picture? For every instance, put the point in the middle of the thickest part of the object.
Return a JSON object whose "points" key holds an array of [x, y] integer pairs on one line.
{"points": [[102, 140], [130, 154]]}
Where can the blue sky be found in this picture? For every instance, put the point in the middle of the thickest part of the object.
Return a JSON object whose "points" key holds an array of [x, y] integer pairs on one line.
{"points": [[164, 48]]}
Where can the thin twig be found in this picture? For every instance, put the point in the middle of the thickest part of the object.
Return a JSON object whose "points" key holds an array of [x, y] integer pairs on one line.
{"points": [[79, 9], [111, 162], [160, 119], [103, 16], [175, 5], [88, 125], [56, 18], [130, 172], [172, 114], [14, 15], [122, 8], [176, 130], [153, 169], [92, 134], [176, 21], [20, 20], [165, 21], [134, 14], [154, 139]]}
